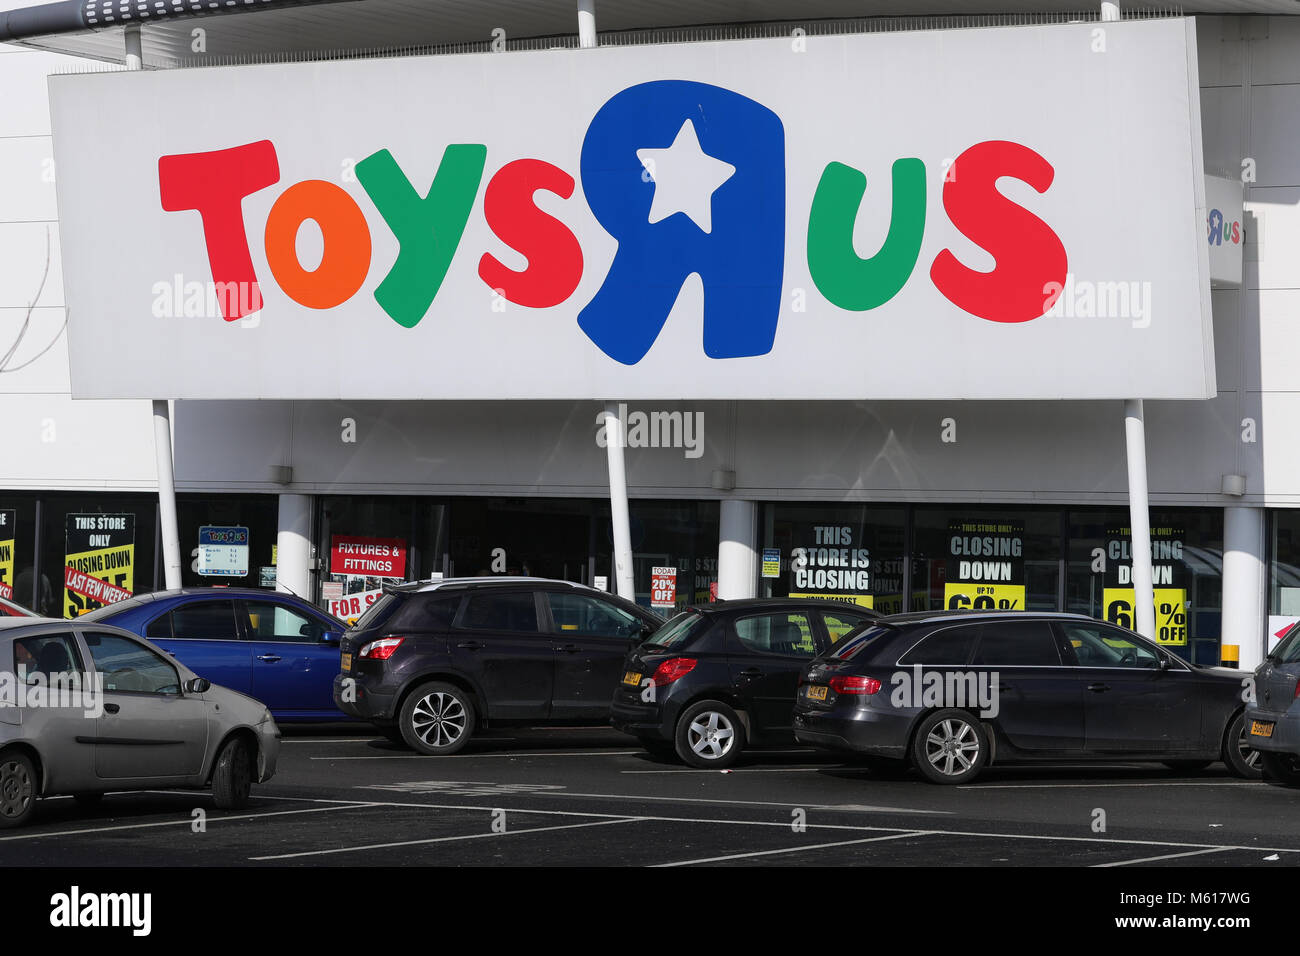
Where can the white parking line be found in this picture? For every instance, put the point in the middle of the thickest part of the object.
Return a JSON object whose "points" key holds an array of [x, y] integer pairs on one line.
{"points": [[741, 770], [352, 805], [525, 753], [1101, 786], [784, 824], [448, 839], [796, 849], [1167, 856]]}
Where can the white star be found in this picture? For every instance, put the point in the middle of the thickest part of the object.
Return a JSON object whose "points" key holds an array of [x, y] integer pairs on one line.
{"points": [[685, 178]]}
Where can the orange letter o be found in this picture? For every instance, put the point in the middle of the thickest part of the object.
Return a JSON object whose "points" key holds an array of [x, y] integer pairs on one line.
{"points": [[346, 258]]}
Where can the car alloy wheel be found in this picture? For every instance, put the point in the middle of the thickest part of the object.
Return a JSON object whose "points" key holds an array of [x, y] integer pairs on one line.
{"points": [[1239, 757], [1249, 755], [711, 735], [950, 747], [437, 719], [17, 791]]}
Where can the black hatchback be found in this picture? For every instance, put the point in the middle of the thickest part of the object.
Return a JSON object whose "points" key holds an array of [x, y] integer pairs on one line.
{"points": [[719, 677], [431, 662], [950, 693]]}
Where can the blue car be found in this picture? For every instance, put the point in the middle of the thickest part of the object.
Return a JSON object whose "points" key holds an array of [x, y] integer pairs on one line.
{"points": [[274, 647]]}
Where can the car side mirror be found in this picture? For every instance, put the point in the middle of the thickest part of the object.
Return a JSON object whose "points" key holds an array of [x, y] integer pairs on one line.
{"points": [[198, 685], [332, 638], [1164, 664]]}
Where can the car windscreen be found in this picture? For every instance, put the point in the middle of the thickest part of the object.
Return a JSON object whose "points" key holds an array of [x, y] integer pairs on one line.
{"points": [[676, 631]]}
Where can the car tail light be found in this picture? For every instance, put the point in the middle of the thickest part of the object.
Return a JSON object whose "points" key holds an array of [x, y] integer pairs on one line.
{"points": [[671, 669], [1297, 690], [854, 685], [380, 650]]}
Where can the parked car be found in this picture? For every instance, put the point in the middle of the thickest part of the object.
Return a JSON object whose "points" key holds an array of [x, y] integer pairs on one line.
{"points": [[276, 648], [720, 677], [14, 609], [155, 723], [431, 662], [1273, 716], [1045, 687]]}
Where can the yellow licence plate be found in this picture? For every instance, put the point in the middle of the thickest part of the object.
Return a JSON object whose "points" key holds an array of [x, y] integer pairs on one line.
{"points": [[816, 693], [346, 660], [633, 678], [1259, 728]]}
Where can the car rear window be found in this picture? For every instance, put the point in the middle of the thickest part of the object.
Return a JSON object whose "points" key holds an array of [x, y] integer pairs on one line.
{"points": [[1288, 650], [421, 612], [1018, 644], [950, 646], [853, 643], [676, 631]]}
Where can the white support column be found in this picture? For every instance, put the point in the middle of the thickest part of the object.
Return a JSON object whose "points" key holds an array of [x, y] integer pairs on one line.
{"points": [[134, 53], [293, 546], [1109, 12], [615, 440], [737, 549], [586, 23], [1144, 595], [1244, 582], [171, 541]]}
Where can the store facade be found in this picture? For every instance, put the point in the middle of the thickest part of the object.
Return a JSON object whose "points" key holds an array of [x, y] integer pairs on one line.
{"points": [[1000, 481]]}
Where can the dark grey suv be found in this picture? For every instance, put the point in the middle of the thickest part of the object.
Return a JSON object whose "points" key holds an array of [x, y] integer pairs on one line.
{"points": [[431, 662]]}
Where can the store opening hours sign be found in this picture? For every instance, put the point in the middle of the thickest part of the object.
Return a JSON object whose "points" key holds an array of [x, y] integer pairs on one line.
{"points": [[223, 551], [736, 185]]}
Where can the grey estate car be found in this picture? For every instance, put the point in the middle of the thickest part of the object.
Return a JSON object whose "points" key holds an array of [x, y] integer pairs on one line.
{"points": [[88, 708]]}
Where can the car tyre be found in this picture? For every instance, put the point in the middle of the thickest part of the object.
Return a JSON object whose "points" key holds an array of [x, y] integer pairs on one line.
{"points": [[1241, 759], [437, 719], [709, 735], [17, 790], [1280, 768], [950, 747], [232, 778]]}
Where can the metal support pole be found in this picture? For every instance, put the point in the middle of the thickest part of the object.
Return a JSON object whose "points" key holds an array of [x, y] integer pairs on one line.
{"points": [[134, 55], [615, 439], [171, 542], [1144, 596], [586, 23]]}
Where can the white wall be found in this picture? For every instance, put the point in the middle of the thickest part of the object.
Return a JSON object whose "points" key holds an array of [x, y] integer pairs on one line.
{"points": [[1047, 452]]}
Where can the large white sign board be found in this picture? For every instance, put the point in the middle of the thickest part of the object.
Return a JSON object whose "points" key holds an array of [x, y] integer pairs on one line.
{"points": [[1010, 213]]}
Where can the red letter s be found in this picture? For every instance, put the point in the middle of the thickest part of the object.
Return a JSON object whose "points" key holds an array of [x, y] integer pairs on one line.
{"points": [[554, 256], [1029, 256]]}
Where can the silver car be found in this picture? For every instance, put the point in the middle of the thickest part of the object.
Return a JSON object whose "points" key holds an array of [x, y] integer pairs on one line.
{"points": [[88, 708]]}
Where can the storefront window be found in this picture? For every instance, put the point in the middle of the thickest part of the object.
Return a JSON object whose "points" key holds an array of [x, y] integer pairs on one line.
{"points": [[680, 538], [365, 542], [986, 558], [221, 535], [18, 549], [1284, 568], [95, 550], [850, 553], [1187, 568]]}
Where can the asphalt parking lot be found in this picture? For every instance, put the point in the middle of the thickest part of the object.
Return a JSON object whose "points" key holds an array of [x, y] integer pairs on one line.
{"points": [[585, 797]]}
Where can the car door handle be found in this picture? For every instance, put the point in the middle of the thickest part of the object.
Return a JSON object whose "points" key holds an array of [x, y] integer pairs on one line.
{"points": [[112, 708], [269, 658], [569, 648], [752, 672], [470, 645], [1098, 688]]}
